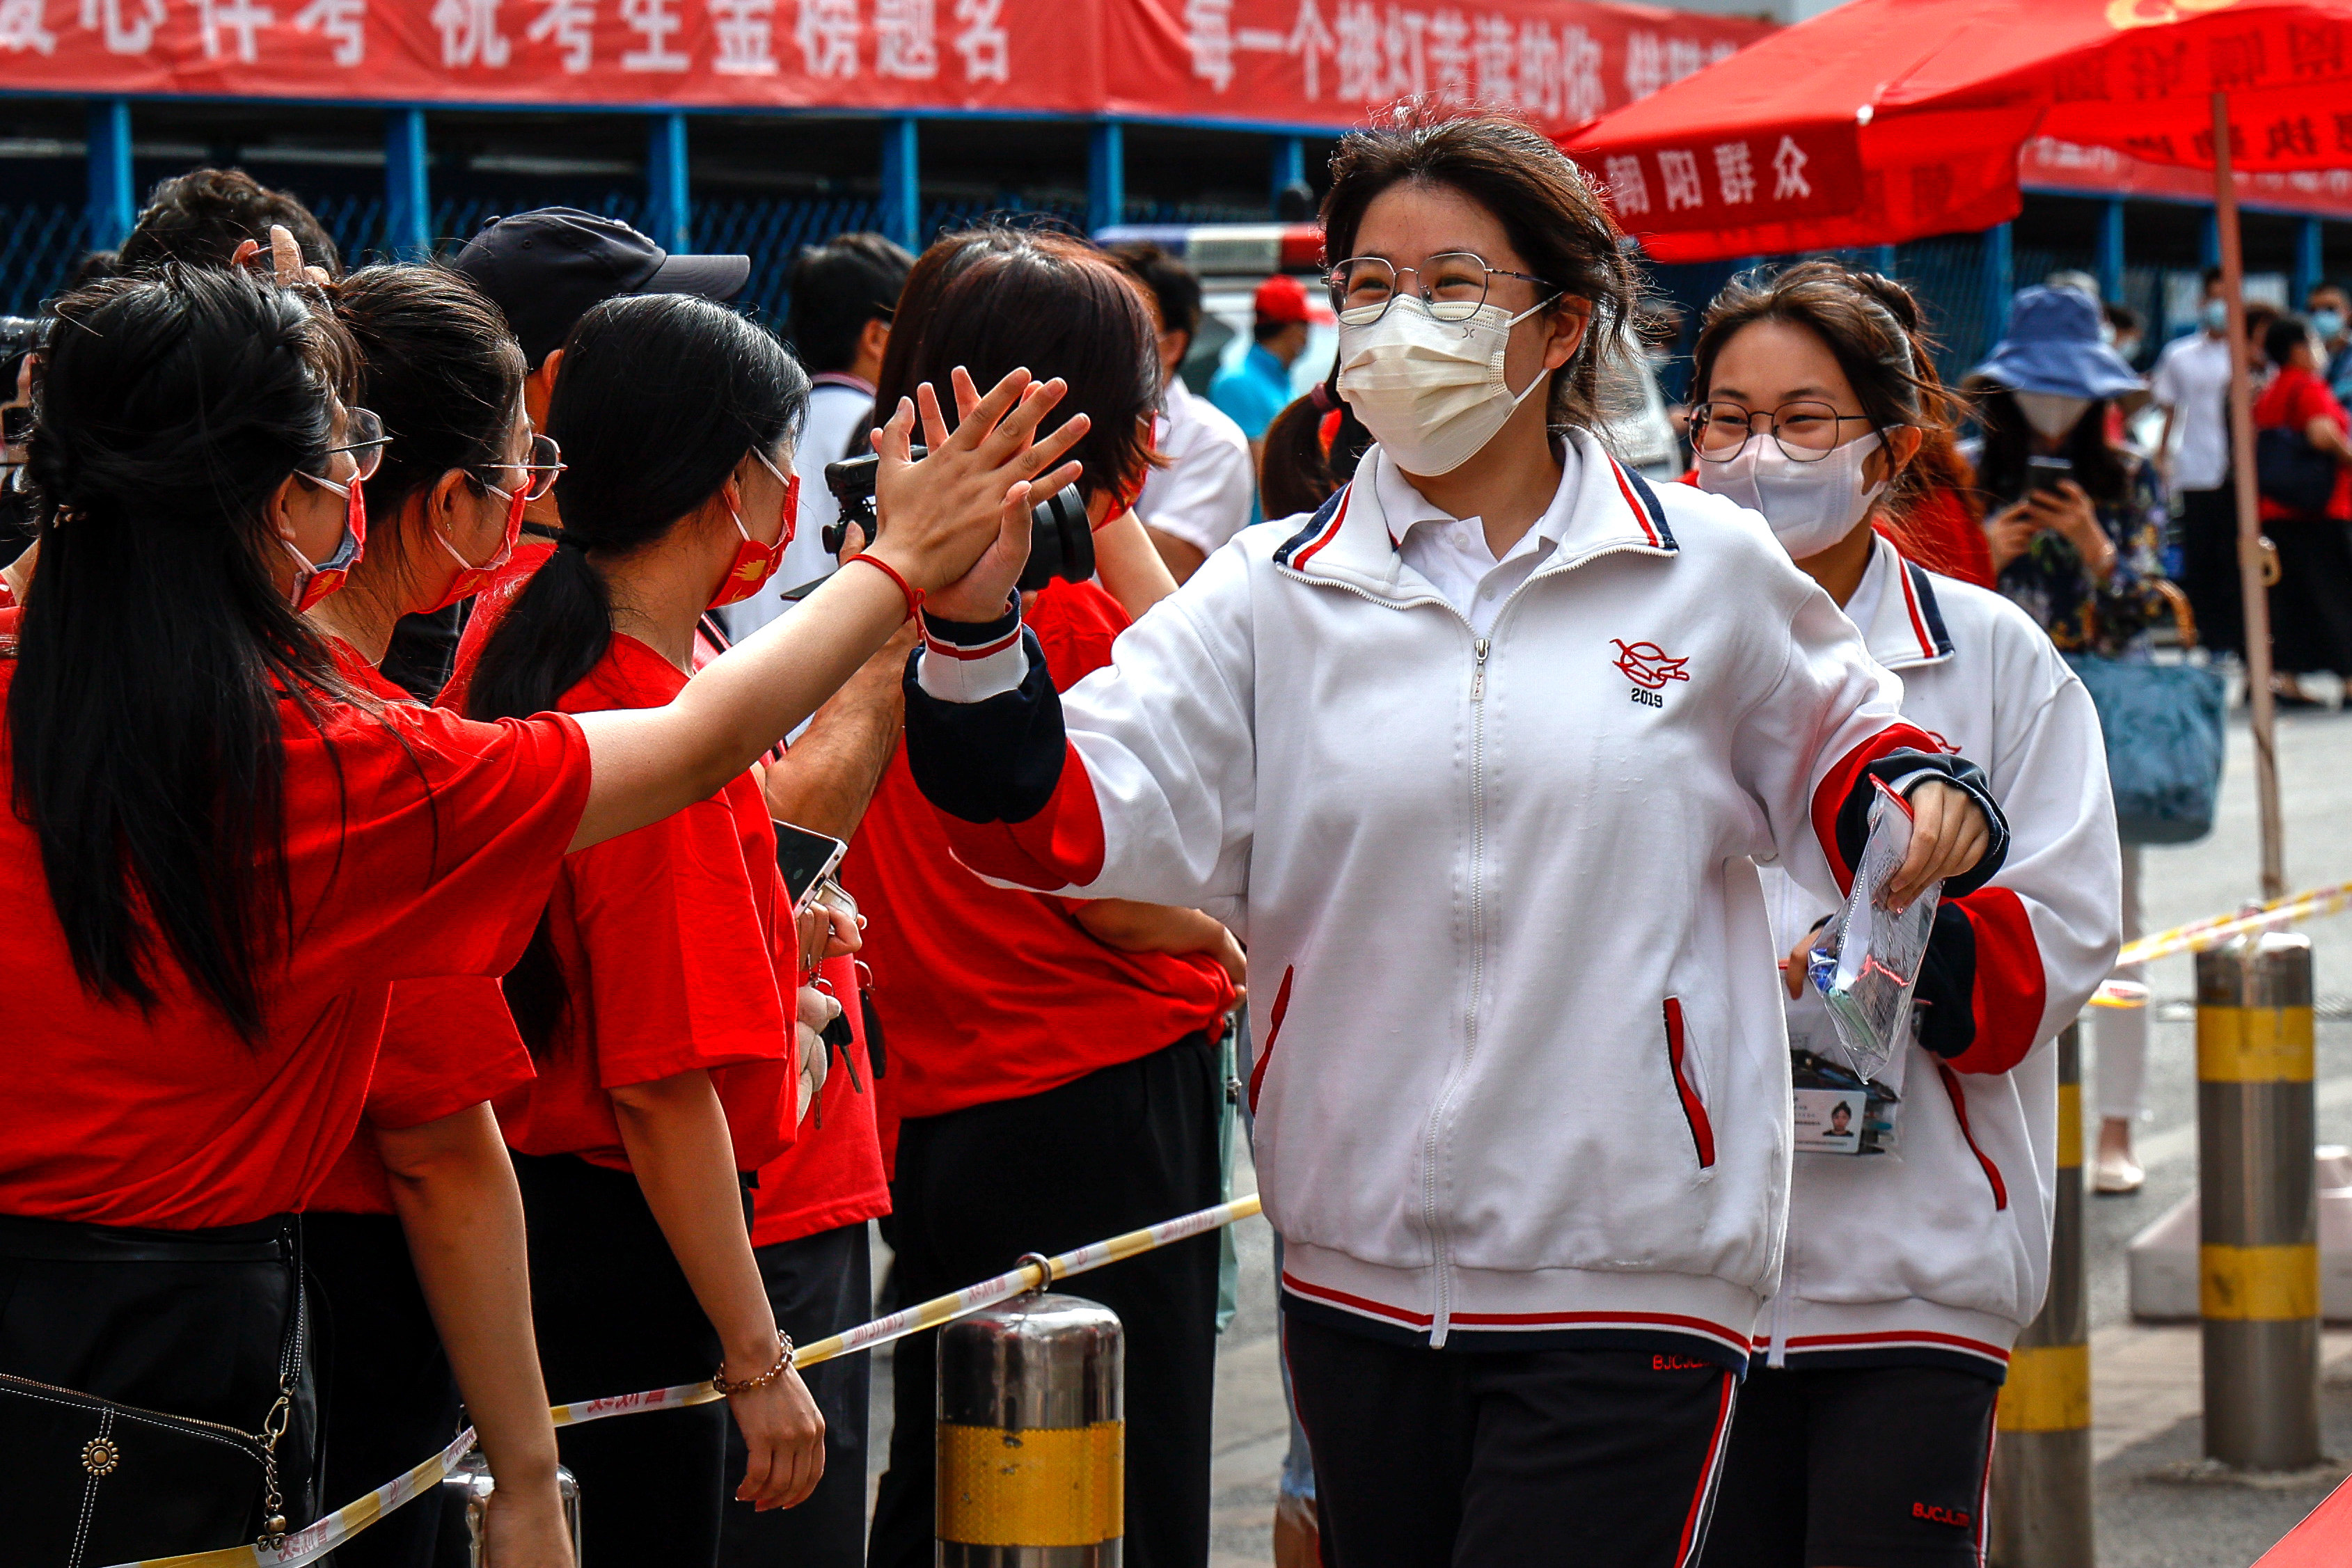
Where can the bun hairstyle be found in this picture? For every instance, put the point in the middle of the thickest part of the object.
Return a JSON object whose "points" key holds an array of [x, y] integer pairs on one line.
{"points": [[660, 396], [1875, 328], [1551, 208], [143, 719]]}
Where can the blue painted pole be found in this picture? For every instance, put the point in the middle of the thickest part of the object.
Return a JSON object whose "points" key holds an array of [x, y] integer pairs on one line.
{"points": [[1289, 163], [407, 186], [113, 206], [2209, 247], [902, 181], [2310, 259], [2109, 262], [1107, 175], [1999, 281], [669, 197]]}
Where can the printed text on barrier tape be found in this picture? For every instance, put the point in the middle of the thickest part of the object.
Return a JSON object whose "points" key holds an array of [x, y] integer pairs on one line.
{"points": [[315, 1541]]}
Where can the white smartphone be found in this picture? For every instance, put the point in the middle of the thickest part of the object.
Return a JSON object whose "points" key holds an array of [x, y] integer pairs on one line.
{"points": [[805, 859]]}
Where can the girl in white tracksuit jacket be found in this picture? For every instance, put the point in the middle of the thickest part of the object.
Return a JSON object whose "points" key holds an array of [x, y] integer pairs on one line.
{"points": [[1864, 1438], [1479, 759]]}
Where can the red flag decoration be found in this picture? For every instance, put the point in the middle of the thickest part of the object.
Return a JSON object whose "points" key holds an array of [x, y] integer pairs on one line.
{"points": [[1303, 64], [1884, 120]]}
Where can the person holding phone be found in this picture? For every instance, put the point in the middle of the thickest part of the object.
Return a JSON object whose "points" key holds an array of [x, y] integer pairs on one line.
{"points": [[201, 991], [1481, 758], [2080, 551], [660, 995], [1904, 1281]]}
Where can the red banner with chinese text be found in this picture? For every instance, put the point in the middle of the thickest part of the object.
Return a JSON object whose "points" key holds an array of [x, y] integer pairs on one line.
{"points": [[1303, 63]]}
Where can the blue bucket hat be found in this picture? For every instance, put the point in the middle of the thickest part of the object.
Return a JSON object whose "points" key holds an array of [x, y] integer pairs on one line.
{"points": [[2052, 346]]}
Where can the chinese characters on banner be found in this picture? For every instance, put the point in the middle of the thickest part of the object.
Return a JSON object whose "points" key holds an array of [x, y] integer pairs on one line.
{"points": [[2049, 165], [1290, 62], [1306, 61]]}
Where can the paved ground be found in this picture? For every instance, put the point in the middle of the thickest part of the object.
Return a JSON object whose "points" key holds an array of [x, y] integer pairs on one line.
{"points": [[2145, 1377]]}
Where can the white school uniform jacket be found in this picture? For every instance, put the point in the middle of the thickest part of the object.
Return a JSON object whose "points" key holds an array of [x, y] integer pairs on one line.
{"points": [[1522, 1072], [1941, 1252]]}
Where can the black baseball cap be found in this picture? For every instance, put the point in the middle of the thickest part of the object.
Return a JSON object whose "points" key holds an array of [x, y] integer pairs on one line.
{"points": [[549, 267]]}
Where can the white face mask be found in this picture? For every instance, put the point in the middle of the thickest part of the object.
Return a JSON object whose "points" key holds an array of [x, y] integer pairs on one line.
{"points": [[1431, 392], [2050, 413], [1811, 506]]}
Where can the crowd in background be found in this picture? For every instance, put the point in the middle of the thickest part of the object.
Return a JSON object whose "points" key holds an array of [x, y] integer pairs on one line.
{"points": [[575, 1098]]}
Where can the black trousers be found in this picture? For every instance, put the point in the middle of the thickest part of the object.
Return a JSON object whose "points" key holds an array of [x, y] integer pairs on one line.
{"points": [[127, 1315], [1126, 1146], [2311, 606], [2209, 568], [818, 1285], [384, 1386], [615, 1315], [1880, 1467], [1459, 1459]]}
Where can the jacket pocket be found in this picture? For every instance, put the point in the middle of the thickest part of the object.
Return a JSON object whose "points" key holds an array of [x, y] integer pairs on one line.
{"points": [[1702, 1131], [1960, 1112], [1273, 1033]]}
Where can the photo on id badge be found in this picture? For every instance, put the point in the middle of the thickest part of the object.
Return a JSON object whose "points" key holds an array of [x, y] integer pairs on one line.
{"points": [[1829, 1119]]}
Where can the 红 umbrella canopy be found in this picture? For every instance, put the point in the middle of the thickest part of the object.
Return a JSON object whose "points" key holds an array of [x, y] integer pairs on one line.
{"points": [[1886, 121]]}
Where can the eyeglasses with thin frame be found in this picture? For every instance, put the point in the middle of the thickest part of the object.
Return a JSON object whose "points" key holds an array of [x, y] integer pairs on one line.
{"points": [[539, 470], [363, 443], [1804, 431], [1452, 286]]}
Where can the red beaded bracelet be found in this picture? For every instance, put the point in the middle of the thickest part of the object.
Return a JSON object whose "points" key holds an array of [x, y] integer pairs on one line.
{"points": [[914, 595]]}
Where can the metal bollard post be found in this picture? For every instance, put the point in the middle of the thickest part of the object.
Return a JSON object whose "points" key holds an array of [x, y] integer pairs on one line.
{"points": [[2040, 1504], [2258, 1262], [465, 1511], [1033, 1436]]}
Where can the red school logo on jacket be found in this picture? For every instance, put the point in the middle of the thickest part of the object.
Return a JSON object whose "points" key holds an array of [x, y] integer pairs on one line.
{"points": [[1648, 667]]}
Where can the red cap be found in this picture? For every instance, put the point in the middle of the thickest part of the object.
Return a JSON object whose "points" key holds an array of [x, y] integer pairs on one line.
{"points": [[1282, 299]]}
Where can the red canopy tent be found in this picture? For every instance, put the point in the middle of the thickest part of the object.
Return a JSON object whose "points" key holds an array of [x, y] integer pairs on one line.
{"points": [[1888, 120]]}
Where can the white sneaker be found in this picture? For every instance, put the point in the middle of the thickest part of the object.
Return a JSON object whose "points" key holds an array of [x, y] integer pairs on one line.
{"points": [[2114, 1173]]}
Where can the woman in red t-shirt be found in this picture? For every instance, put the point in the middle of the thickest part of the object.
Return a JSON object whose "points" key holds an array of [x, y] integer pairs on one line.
{"points": [[428, 1177], [659, 996], [2311, 604], [1053, 1075], [222, 856]]}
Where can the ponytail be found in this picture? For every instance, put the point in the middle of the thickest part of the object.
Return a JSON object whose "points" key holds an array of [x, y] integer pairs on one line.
{"points": [[659, 397]]}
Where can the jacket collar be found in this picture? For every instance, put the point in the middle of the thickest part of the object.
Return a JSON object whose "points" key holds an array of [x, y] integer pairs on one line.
{"points": [[1907, 628], [1608, 508]]}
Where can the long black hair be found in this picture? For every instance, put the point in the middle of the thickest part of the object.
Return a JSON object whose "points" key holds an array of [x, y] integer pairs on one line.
{"points": [[440, 369], [146, 750], [660, 396]]}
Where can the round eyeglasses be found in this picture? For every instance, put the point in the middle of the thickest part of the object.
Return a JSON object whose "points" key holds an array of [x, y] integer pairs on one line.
{"points": [[1452, 286], [1805, 431], [538, 470], [364, 442]]}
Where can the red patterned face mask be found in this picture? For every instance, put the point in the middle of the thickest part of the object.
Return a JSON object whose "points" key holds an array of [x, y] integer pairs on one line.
{"points": [[754, 562], [471, 578], [314, 581]]}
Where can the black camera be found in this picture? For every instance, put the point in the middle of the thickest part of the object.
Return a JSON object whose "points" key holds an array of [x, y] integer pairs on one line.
{"points": [[1060, 542]]}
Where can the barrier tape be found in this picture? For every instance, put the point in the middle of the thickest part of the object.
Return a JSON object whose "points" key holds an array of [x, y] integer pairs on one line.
{"points": [[2200, 935], [314, 1540]]}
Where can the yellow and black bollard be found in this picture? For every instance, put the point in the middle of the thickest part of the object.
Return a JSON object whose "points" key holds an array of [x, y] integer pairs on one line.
{"points": [[1032, 1437], [2040, 1504], [2258, 1258]]}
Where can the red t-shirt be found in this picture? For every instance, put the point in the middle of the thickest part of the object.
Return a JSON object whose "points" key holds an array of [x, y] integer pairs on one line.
{"points": [[2293, 398], [448, 1043], [417, 845], [990, 993], [832, 1175], [675, 947]]}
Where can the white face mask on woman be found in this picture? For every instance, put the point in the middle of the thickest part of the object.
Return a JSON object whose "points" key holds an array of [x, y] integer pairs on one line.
{"points": [[1811, 506], [2051, 414], [1431, 392]]}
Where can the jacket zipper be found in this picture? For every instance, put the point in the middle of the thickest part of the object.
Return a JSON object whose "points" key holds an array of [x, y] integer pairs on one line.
{"points": [[1441, 1319]]}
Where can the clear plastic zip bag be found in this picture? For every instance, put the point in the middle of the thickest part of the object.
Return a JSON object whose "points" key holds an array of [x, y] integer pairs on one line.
{"points": [[1866, 964]]}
